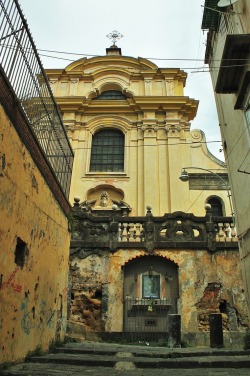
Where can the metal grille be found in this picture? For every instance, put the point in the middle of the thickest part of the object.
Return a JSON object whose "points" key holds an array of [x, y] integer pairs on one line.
{"points": [[21, 65], [146, 315], [107, 152], [110, 95], [211, 16]]}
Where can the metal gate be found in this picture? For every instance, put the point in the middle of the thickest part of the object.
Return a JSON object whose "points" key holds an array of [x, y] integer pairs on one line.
{"points": [[146, 315]]}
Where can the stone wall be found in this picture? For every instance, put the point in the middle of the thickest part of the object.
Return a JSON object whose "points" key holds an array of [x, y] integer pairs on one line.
{"points": [[207, 283]]}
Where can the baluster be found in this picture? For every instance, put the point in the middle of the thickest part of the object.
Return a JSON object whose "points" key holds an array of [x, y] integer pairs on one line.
{"points": [[228, 232], [233, 233], [123, 227], [134, 232], [120, 229], [138, 232], [127, 231], [142, 235], [131, 231], [221, 233]]}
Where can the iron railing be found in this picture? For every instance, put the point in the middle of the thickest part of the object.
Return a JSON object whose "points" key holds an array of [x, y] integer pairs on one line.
{"points": [[146, 315], [20, 62]]}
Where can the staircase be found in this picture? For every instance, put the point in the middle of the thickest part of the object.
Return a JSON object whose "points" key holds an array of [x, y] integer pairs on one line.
{"points": [[114, 359]]}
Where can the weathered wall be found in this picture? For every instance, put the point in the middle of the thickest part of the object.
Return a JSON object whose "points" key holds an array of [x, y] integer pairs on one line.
{"points": [[234, 123], [207, 283], [34, 243]]}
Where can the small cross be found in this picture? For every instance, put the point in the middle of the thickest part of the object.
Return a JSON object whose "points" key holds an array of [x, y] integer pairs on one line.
{"points": [[114, 35]]}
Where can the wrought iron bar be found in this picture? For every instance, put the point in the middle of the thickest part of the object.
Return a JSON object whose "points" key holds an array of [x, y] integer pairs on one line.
{"points": [[22, 66]]}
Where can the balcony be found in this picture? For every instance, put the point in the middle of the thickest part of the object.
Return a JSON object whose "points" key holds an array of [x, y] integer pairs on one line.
{"points": [[232, 76]]}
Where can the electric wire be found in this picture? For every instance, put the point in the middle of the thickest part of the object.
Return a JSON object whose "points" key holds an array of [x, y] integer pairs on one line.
{"points": [[149, 58], [199, 70], [156, 145]]}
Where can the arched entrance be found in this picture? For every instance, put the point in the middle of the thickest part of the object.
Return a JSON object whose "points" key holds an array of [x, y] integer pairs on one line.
{"points": [[150, 294]]}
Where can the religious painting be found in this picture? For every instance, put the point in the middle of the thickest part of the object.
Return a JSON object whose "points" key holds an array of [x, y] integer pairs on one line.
{"points": [[151, 286]]}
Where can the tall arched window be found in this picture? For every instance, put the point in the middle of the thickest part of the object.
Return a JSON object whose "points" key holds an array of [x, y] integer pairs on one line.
{"points": [[216, 206], [107, 152]]}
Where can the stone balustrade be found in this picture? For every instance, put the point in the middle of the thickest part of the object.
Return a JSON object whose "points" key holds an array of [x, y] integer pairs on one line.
{"points": [[130, 232], [178, 230], [225, 232]]}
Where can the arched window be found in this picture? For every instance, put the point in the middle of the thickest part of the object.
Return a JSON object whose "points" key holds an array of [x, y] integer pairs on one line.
{"points": [[110, 95], [107, 152], [216, 206]]}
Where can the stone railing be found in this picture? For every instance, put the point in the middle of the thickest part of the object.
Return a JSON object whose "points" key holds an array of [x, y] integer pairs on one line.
{"points": [[178, 230], [225, 232], [130, 232]]}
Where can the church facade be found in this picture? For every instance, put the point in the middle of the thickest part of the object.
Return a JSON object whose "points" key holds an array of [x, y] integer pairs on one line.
{"points": [[145, 245]]}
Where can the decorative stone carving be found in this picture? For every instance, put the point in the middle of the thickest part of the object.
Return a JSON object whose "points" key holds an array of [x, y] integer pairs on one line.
{"points": [[172, 128], [150, 127], [104, 199], [86, 205], [110, 229], [122, 206], [149, 231], [83, 253], [197, 135], [180, 231]]}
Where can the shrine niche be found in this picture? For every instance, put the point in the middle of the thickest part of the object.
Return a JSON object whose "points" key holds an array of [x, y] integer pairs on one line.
{"points": [[105, 198], [150, 293]]}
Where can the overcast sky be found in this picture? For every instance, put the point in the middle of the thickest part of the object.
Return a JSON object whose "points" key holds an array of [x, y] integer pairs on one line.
{"points": [[159, 29]]}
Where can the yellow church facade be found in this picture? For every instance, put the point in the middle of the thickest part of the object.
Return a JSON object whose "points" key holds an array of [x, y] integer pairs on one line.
{"points": [[147, 109], [145, 245]]}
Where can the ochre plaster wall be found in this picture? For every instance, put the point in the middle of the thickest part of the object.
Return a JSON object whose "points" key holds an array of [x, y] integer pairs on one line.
{"points": [[33, 291], [207, 283]]}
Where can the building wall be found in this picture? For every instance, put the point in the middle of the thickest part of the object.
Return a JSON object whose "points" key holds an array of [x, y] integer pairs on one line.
{"points": [[155, 119], [34, 242], [235, 129], [208, 283]]}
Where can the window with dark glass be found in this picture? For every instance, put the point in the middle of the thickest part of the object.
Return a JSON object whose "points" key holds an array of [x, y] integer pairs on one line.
{"points": [[216, 206], [107, 152], [110, 95]]}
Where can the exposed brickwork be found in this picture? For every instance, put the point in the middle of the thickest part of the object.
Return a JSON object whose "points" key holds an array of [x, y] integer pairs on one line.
{"points": [[213, 302], [86, 301]]}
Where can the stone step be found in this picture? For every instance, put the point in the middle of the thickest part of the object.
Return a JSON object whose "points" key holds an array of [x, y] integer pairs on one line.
{"points": [[116, 359], [145, 351], [150, 361]]}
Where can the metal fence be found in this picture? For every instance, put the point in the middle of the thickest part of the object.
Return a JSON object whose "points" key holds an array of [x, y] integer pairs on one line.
{"points": [[146, 315], [21, 64]]}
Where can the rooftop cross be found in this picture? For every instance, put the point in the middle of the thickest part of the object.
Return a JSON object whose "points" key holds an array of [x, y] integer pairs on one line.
{"points": [[114, 35]]}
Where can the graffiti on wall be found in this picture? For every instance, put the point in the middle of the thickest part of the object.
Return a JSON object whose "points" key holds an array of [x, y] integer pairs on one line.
{"points": [[11, 284], [32, 319], [43, 315]]}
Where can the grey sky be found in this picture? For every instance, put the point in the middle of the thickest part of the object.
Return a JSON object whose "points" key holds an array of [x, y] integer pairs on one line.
{"points": [[163, 29]]}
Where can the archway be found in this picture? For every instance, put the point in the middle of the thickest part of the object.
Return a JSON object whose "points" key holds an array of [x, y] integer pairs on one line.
{"points": [[150, 294]]}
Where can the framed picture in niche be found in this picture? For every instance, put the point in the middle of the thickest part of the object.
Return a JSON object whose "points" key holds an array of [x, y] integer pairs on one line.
{"points": [[151, 286]]}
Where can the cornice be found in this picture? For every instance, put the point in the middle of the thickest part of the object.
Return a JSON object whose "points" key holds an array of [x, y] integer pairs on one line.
{"points": [[143, 103], [139, 63]]}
